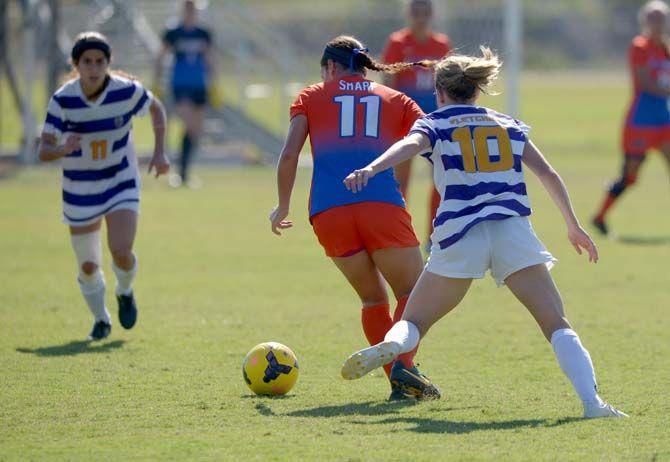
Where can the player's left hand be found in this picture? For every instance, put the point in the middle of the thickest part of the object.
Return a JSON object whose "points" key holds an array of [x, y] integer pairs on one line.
{"points": [[358, 179], [278, 220], [160, 163], [581, 240]]}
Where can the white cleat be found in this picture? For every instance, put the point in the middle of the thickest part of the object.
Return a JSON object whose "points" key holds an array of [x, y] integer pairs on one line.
{"points": [[596, 410], [369, 359]]}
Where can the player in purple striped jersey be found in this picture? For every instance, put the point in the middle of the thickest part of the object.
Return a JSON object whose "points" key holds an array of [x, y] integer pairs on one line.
{"points": [[88, 127], [482, 222]]}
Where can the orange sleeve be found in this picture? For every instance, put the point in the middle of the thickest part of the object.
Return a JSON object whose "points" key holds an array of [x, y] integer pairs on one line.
{"points": [[637, 55], [301, 104], [392, 52], [411, 114]]}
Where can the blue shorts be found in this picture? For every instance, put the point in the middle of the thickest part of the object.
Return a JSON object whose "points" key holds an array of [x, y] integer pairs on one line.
{"points": [[196, 96]]}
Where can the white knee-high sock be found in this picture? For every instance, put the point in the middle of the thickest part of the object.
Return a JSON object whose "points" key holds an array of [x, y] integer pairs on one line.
{"points": [[576, 363], [124, 279], [93, 289], [405, 334]]}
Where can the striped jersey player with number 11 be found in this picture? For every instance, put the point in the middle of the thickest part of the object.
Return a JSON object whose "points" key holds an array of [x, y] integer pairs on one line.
{"points": [[89, 127]]}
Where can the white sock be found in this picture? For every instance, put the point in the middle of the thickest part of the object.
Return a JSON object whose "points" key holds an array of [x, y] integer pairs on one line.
{"points": [[93, 289], [576, 364], [124, 279], [405, 334]]}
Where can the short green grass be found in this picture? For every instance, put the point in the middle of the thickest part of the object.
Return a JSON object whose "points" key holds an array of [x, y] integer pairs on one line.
{"points": [[214, 282]]}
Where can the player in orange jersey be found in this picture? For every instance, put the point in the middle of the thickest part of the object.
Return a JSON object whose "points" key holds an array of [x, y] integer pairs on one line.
{"points": [[416, 42], [369, 236], [648, 121]]}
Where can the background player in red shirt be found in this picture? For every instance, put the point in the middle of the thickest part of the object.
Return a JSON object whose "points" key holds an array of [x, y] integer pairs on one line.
{"points": [[350, 121], [414, 43], [648, 121]]}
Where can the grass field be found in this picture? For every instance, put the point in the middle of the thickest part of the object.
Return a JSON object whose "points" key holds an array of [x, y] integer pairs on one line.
{"points": [[214, 282]]}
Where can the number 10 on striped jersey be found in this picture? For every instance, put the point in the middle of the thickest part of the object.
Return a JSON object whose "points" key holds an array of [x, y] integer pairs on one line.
{"points": [[347, 104], [477, 158]]}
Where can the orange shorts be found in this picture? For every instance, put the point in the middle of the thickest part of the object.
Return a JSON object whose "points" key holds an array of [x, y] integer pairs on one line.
{"points": [[348, 229], [638, 140]]}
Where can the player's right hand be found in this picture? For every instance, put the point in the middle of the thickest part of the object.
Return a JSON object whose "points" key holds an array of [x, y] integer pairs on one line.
{"points": [[73, 143], [278, 220], [358, 179]]}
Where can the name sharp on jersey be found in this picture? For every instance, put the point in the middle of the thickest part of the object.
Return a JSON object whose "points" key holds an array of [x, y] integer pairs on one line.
{"points": [[356, 86]]}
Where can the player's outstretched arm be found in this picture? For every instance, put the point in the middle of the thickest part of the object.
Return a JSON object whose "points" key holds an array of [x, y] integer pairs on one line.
{"points": [[159, 161], [408, 147], [555, 186], [286, 171]]}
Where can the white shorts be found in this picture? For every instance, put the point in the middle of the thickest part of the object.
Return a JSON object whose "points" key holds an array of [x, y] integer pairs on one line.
{"points": [[503, 246]]}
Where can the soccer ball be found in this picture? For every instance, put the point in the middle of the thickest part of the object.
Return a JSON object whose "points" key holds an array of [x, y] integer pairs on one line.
{"points": [[270, 369]]}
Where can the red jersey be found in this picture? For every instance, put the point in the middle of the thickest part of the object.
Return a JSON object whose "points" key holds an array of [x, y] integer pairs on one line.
{"points": [[418, 83], [352, 121]]}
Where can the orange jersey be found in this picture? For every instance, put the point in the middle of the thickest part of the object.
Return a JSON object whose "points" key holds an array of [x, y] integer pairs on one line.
{"points": [[645, 53], [352, 121], [648, 119], [418, 83]]}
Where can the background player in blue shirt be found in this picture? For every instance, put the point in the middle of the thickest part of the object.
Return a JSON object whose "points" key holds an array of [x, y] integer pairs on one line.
{"points": [[193, 73]]}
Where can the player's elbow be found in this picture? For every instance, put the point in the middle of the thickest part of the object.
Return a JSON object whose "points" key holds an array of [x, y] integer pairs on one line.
{"points": [[548, 174], [288, 155]]}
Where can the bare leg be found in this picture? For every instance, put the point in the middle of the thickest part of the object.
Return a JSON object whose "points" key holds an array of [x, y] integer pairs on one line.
{"points": [[432, 298], [535, 288], [362, 274], [121, 230], [401, 267]]}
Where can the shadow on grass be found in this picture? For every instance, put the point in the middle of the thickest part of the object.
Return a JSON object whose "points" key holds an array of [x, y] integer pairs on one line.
{"points": [[644, 240], [431, 425], [368, 408], [391, 411], [73, 348]]}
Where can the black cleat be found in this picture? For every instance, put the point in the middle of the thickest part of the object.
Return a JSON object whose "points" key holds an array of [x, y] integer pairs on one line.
{"points": [[397, 394], [600, 225], [101, 330], [127, 310], [412, 382]]}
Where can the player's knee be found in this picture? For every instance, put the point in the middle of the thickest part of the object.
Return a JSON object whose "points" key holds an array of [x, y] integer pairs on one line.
{"points": [[123, 257], [619, 186], [88, 268], [88, 251]]}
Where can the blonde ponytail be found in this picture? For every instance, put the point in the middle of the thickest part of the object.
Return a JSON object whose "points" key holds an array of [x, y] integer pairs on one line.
{"points": [[460, 76]]}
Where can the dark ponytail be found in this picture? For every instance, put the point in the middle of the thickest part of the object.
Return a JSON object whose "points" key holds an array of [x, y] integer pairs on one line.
{"points": [[350, 53]]}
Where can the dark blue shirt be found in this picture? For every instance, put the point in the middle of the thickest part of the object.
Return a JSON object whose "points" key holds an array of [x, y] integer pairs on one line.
{"points": [[189, 46]]}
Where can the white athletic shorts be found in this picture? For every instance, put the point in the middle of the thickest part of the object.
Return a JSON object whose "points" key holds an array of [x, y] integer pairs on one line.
{"points": [[503, 246]]}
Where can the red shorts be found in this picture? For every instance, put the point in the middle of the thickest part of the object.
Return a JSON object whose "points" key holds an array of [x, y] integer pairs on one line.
{"points": [[348, 229], [638, 140]]}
